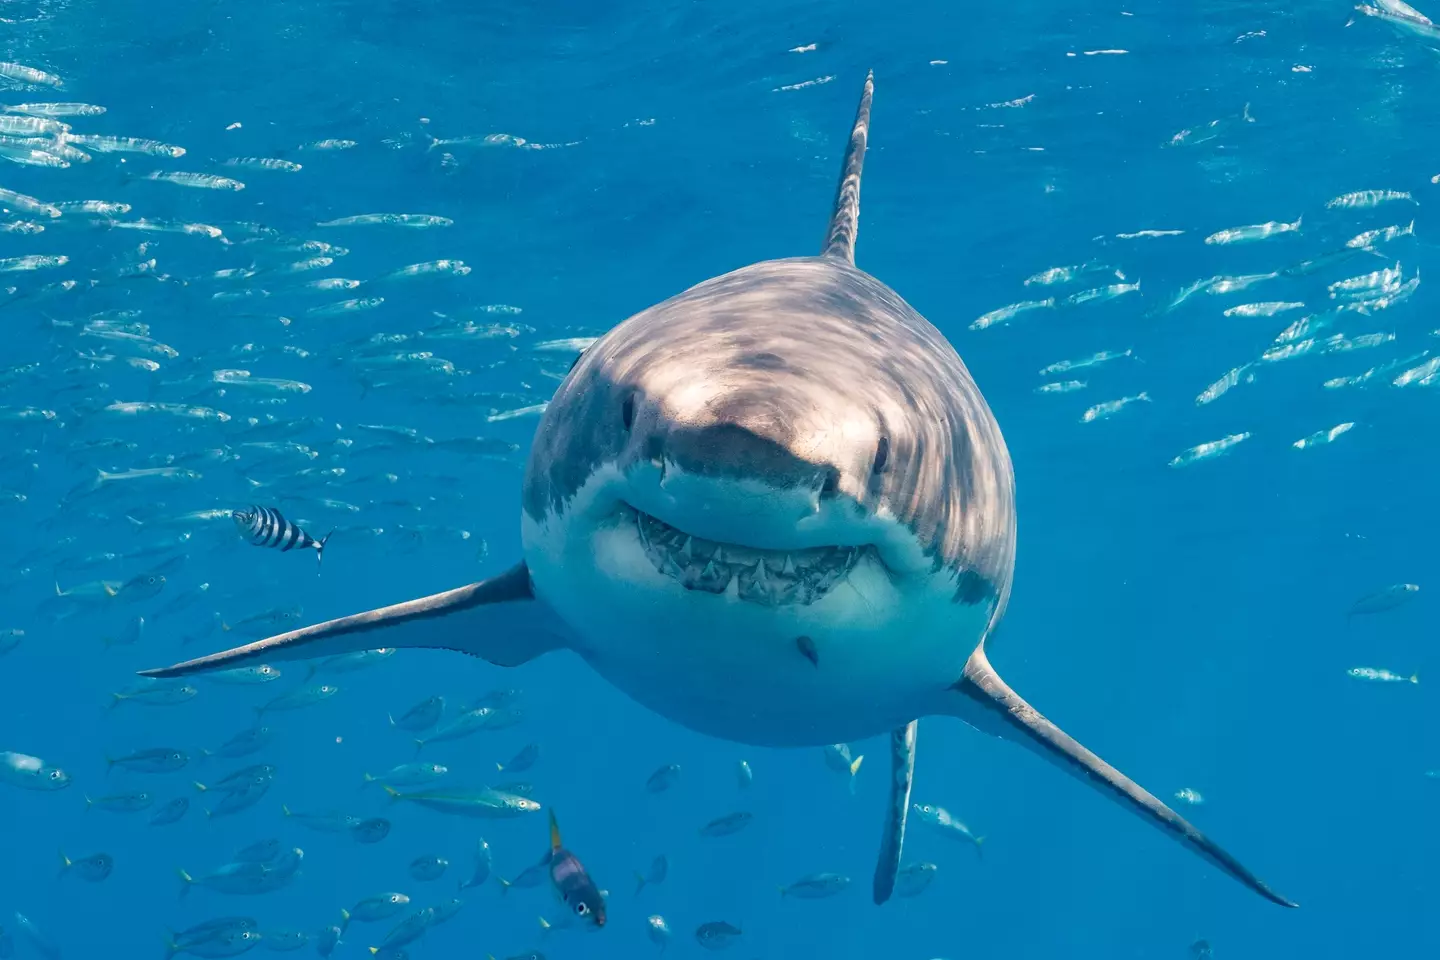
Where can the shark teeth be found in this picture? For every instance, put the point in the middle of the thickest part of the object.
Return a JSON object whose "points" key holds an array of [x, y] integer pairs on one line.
{"points": [[766, 577]]}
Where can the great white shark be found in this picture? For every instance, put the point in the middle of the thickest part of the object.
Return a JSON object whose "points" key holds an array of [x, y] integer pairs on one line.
{"points": [[775, 509]]}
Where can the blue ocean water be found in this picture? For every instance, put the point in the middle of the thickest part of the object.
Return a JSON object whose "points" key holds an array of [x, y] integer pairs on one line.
{"points": [[1189, 624]]}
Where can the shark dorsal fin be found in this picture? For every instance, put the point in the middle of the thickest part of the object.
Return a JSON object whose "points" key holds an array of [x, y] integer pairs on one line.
{"points": [[845, 220]]}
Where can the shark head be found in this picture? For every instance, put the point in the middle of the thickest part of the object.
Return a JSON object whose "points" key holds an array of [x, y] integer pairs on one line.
{"points": [[773, 506]]}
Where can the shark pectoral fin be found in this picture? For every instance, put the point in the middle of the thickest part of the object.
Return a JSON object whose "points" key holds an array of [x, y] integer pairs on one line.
{"points": [[892, 841], [498, 620], [990, 705]]}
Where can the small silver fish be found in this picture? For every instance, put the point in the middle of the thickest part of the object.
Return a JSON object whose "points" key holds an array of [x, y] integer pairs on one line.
{"points": [[1322, 437], [300, 697], [1381, 675], [816, 886], [200, 181], [663, 779], [93, 868], [1384, 600], [1209, 450], [1253, 232], [1109, 408], [717, 935], [1365, 199], [730, 823], [942, 821]]}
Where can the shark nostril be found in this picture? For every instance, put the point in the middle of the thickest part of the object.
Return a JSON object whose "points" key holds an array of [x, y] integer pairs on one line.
{"points": [[831, 484]]}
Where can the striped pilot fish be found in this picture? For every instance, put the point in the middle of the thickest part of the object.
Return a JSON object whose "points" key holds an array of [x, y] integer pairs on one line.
{"points": [[265, 527]]}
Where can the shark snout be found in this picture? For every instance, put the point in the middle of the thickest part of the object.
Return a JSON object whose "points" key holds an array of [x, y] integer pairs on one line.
{"points": [[733, 452]]}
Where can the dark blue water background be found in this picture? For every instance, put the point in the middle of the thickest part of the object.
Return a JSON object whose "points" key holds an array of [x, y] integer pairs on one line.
{"points": [[1186, 624]]}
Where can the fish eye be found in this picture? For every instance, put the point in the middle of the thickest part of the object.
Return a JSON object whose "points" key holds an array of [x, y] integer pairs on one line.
{"points": [[882, 455], [56, 775], [627, 411], [582, 908]]}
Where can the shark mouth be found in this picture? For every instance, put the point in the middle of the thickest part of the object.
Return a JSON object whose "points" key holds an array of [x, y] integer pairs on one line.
{"points": [[770, 578]]}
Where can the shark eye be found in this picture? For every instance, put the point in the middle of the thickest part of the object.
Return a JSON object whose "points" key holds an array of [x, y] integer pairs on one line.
{"points": [[882, 455], [627, 411]]}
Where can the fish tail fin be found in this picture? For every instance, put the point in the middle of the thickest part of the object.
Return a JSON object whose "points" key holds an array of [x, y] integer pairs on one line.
{"points": [[366, 780], [171, 947], [109, 765], [545, 926], [500, 767], [784, 891], [854, 769], [1245, 114], [979, 850], [504, 884], [65, 863], [200, 786], [285, 809], [344, 921], [845, 217], [554, 831], [419, 745], [1414, 678], [391, 792], [88, 803], [185, 882], [320, 547], [639, 882], [983, 700], [373, 950]]}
